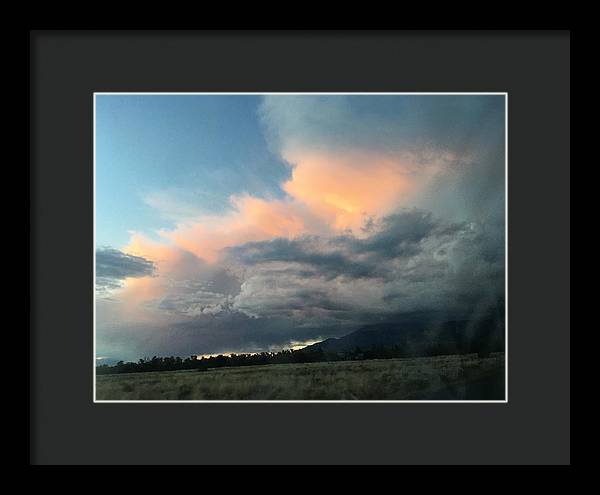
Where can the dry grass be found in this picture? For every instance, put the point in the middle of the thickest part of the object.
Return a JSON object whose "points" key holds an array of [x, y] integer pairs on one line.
{"points": [[439, 377]]}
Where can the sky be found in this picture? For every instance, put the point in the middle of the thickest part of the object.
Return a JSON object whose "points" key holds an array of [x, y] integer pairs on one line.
{"points": [[245, 223]]}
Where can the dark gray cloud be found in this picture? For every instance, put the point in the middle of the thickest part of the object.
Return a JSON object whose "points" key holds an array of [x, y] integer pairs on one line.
{"points": [[398, 236], [383, 122], [301, 251], [273, 294], [113, 266], [204, 292], [209, 334], [409, 262]]}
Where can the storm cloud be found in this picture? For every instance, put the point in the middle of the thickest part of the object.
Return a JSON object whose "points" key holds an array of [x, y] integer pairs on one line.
{"points": [[410, 262], [114, 266], [382, 208], [406, 265]]}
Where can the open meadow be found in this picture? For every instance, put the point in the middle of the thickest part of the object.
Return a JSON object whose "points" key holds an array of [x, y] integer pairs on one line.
{"points": [[456, 377]]}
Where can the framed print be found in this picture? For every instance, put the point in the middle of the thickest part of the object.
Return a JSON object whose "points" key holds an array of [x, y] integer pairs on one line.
{"points": [[356, 240]]}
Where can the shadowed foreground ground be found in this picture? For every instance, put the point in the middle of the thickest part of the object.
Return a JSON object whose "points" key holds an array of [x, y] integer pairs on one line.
{"points": [[464, 377]]}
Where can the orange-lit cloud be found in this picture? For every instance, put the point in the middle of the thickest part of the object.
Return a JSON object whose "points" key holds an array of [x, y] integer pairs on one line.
{"points": [[253, 219], [169, 261], [139, 290], [342, 190], [328, 193]]}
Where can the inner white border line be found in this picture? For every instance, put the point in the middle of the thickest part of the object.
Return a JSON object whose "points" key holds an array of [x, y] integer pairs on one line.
{"points": [[505, 401]]}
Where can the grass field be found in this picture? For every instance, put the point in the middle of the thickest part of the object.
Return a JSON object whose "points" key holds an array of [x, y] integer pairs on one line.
{"points": [[464, 377]]}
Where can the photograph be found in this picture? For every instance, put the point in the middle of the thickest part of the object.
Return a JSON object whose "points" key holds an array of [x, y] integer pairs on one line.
{"points": [[300, 247]]}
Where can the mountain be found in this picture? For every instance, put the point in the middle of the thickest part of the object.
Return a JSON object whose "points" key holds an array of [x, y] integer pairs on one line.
{"points": [[420, 338]]}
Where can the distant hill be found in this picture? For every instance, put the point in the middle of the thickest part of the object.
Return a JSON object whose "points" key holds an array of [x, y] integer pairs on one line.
{"points": [[420, 338], [106, 361]]}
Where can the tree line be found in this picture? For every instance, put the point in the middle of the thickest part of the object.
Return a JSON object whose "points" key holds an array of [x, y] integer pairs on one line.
{"points": [[173, 363], [286, 356]]}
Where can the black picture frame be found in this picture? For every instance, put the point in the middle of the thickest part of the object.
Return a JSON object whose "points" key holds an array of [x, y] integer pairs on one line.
{"points": [[67, 67]]}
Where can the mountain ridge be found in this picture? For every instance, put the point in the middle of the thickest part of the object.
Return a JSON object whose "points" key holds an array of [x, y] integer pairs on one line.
{"points": [[452, 336]]}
